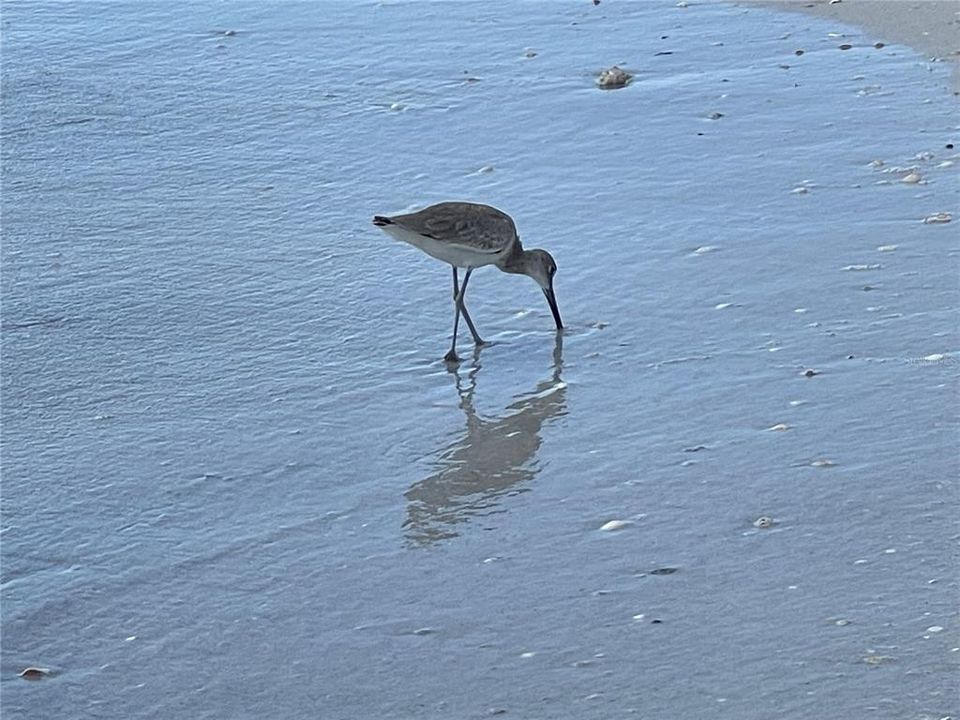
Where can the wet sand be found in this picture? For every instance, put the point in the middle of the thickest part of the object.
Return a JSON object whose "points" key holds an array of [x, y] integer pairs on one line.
{"points": [[243, 483], [932, 26]]}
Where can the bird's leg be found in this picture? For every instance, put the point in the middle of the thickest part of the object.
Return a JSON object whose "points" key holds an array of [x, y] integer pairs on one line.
{"points": [[452, 355], [458, 298]]}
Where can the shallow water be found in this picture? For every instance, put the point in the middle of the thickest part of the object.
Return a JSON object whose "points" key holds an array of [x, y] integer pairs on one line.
{"points": [[238, 481]]}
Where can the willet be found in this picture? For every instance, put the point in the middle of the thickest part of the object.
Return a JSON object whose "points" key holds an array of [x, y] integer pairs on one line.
{"points": [[468, 235]]}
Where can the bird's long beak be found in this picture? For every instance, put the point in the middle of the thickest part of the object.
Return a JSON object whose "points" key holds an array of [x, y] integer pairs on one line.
{"points": [[552, 299]]}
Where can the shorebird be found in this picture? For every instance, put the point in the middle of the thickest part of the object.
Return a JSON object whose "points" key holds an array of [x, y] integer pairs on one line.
{"points": [[468, 235]]}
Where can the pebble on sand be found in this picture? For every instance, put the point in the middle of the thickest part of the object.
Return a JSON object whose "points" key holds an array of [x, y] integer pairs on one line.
{"points": [[613, 78], [34, 673], [911, 178], [938, 219], [612, 525], [810, 372]]}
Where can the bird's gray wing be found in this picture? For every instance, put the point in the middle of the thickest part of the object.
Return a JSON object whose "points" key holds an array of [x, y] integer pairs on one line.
{"points": [[478, 227]]}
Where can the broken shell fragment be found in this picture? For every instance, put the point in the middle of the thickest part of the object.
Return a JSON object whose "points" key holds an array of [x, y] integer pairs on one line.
{"points": [[614, 525], [34, 673]]}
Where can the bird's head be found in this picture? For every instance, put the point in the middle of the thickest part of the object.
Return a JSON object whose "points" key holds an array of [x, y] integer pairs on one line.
{"points": [[540, 265]]}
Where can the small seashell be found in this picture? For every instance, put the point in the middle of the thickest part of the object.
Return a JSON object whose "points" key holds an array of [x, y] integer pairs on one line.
{"points": [[935, 629], [34, 673], [800, 190], [664, 571], [704, 249], [530, 54], [613, 78], [396, 106], [911, 179], [613, 525], [779, 427], [485, 169], [877, 659], [810, 372], [886, 248], [936, 357], [822, 463], [722, 306], [938, 219], [946, 164], [876, 163], [861, 267], [763, 522], [424, 631], [714, 115], [682, 4]]}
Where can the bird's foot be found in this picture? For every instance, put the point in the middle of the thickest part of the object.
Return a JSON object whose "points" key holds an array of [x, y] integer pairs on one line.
{"points": [[451, 357]]}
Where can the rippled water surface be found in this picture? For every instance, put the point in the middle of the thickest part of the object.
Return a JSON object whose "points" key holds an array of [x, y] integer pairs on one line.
{"points": [[238, 480]]}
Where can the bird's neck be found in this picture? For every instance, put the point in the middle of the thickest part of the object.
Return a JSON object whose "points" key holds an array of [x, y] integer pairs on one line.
{"points": [[515, 261]]}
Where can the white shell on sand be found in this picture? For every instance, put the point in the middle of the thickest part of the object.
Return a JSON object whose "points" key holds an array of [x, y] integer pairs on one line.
{"points": [[886, 248], [34, 673], [911, 179], [940, 217], [614, 525], [822, 463], [779, 427], [861, 267], [936, 357]]}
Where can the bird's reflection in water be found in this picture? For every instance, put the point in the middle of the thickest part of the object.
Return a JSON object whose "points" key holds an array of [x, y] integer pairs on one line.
{"points": [[495, 456]]}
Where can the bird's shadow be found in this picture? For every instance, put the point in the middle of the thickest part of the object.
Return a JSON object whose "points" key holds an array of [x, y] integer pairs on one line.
{"points": [[493, 458]]}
